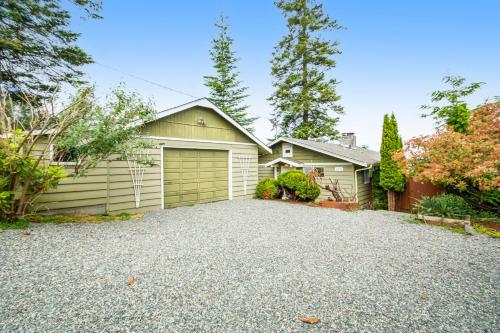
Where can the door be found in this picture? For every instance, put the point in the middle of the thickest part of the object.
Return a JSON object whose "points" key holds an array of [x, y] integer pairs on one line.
{"points": [[194, 176]]}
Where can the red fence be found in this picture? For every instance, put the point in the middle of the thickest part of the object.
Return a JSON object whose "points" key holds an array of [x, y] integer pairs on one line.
{"points": [[413, 192]]}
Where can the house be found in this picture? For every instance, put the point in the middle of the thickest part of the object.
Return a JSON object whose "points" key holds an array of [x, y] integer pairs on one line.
{"points": [[349, 164], [201, 155]]}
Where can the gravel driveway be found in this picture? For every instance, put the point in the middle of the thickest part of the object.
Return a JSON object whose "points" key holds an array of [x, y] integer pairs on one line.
{"points": [[249, 266]]}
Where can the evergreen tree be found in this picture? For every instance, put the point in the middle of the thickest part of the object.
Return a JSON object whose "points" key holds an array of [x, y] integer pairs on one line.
{"points": [[305, 93], [225, 88], [37, 47], [391, 177]]}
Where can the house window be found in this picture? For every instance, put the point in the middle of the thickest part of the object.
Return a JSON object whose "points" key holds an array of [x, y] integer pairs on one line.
{"points": [[320, 171], [366, 176], [63, 156], [287, 150]]}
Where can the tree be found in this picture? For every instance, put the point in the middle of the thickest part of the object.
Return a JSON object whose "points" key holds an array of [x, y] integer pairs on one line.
{"points": [[37, 48], [456, 112], [225, 88], [305, 92], [86, 131], [466, 164], [391, 177]]}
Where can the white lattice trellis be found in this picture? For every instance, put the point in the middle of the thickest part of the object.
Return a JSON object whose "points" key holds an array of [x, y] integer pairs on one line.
{"points": [[245, 168], [136, 168]]}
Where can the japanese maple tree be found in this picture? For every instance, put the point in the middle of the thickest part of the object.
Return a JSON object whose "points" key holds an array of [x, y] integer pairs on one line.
{"points": [[464, 163]]}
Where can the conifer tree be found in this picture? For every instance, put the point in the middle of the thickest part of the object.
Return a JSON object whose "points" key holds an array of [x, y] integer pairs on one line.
{"points": [[226, 91], [305, 95], [391, 177]]}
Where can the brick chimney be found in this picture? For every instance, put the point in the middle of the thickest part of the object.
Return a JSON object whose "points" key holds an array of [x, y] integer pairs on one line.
{"points": [[348, 140]]}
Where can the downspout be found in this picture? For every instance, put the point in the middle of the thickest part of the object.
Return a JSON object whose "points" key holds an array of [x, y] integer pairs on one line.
{"points": [[356, 180]]}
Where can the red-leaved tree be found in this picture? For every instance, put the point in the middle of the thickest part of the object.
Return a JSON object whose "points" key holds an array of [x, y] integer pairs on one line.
{"points": [[464, 163]]}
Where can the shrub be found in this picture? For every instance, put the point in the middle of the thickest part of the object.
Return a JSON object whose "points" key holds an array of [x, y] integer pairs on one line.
{"points": [[446, 205], [267, 188], [378, 193], [296, 184]]}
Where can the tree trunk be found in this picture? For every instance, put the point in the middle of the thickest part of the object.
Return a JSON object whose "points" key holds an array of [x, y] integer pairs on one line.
{"points": [[391, 200]]}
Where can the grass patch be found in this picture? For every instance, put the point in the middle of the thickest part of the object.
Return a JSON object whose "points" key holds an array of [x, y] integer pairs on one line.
{"points": [[81, 218], [19, 224], [457, 230], [481, 229], [66, 218]]}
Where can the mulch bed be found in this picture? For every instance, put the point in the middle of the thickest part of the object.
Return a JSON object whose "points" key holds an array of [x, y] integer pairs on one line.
{"points": [[490, 224]]}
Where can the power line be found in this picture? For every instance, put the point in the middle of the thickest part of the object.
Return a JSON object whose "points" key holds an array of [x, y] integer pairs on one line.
{"points": [[145, 80]]}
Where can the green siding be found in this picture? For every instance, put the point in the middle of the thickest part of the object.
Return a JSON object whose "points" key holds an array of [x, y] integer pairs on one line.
{"points": [[300, 154], [364, 191], [185, 125], [108, 186]]}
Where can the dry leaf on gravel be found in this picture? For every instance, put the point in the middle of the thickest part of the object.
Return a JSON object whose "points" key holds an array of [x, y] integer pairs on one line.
{"points": [[309, 320], [25, 232], [130, 281]]}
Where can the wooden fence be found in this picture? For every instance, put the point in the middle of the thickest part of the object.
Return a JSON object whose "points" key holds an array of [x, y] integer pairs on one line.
{"points": [[413, 192]]}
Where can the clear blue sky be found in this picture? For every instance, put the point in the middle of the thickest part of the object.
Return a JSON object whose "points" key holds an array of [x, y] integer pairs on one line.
{"points": [[394, 53]]}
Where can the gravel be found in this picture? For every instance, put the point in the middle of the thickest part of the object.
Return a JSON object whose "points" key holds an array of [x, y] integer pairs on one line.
{"points": [[249, 266]]}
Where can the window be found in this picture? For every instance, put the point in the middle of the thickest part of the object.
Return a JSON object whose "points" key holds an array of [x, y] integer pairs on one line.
{"points": [[320, 171], [366, 176], [63, 156], [287, 150]]}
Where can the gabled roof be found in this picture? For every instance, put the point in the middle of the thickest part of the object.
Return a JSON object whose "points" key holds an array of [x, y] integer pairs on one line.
{"points": [[285, 160], [356, 155], [204, 102]]}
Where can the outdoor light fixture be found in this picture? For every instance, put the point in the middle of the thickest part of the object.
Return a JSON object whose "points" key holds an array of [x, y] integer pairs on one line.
{"points": [[201, 121]]}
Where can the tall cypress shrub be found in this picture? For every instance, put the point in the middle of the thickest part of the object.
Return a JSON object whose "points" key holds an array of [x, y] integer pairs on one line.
{"points": [[391, 177]]}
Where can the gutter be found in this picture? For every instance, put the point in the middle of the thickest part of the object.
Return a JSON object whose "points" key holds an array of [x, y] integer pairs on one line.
{"points": [[356, 180]]}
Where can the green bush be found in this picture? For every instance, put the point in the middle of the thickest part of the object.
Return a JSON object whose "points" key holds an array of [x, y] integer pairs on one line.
{"points": [[296, 184], [267, 188], [445, 205], [378, 193]]}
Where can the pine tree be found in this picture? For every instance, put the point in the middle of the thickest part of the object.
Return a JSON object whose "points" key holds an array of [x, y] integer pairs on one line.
{"points": [[38, 51], [305, 93], [225, 88], [391, 177]]}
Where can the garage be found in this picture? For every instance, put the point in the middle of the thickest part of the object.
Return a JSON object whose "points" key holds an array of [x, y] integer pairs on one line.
{"points": [[194, 176]]}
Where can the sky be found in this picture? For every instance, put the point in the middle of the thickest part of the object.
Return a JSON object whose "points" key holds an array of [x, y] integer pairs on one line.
{"points": [[394, 54]]}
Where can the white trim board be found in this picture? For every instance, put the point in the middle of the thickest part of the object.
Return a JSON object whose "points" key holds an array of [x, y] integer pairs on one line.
{"points": [[197, 140], [319, 151], [204, 102], [283, 160]]}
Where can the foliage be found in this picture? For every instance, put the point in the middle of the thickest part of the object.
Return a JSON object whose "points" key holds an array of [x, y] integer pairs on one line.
{"points": [[445, 205], [267, 188], [467, 164], [391, 177], [18, 224], [379, 194], [28, 164], [297, 185], [305, 91], [37, 47], [225, 87], [80, 218], [456, 113], [107, 130], [485, 230]]}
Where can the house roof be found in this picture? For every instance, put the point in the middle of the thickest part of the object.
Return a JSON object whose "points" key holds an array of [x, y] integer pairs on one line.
{"points": [[285, 160], [356, 155], [204, 102]]}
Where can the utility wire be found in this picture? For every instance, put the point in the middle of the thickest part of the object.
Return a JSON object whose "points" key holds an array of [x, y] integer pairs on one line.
{"points": [[145, 80]]}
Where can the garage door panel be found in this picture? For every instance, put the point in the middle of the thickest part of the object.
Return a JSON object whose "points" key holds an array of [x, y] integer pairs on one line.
{"points": [[193, 176]]}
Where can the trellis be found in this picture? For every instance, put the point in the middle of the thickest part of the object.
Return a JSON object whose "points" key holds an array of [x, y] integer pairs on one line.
{"points": [[245, 169], [136, 167]]}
